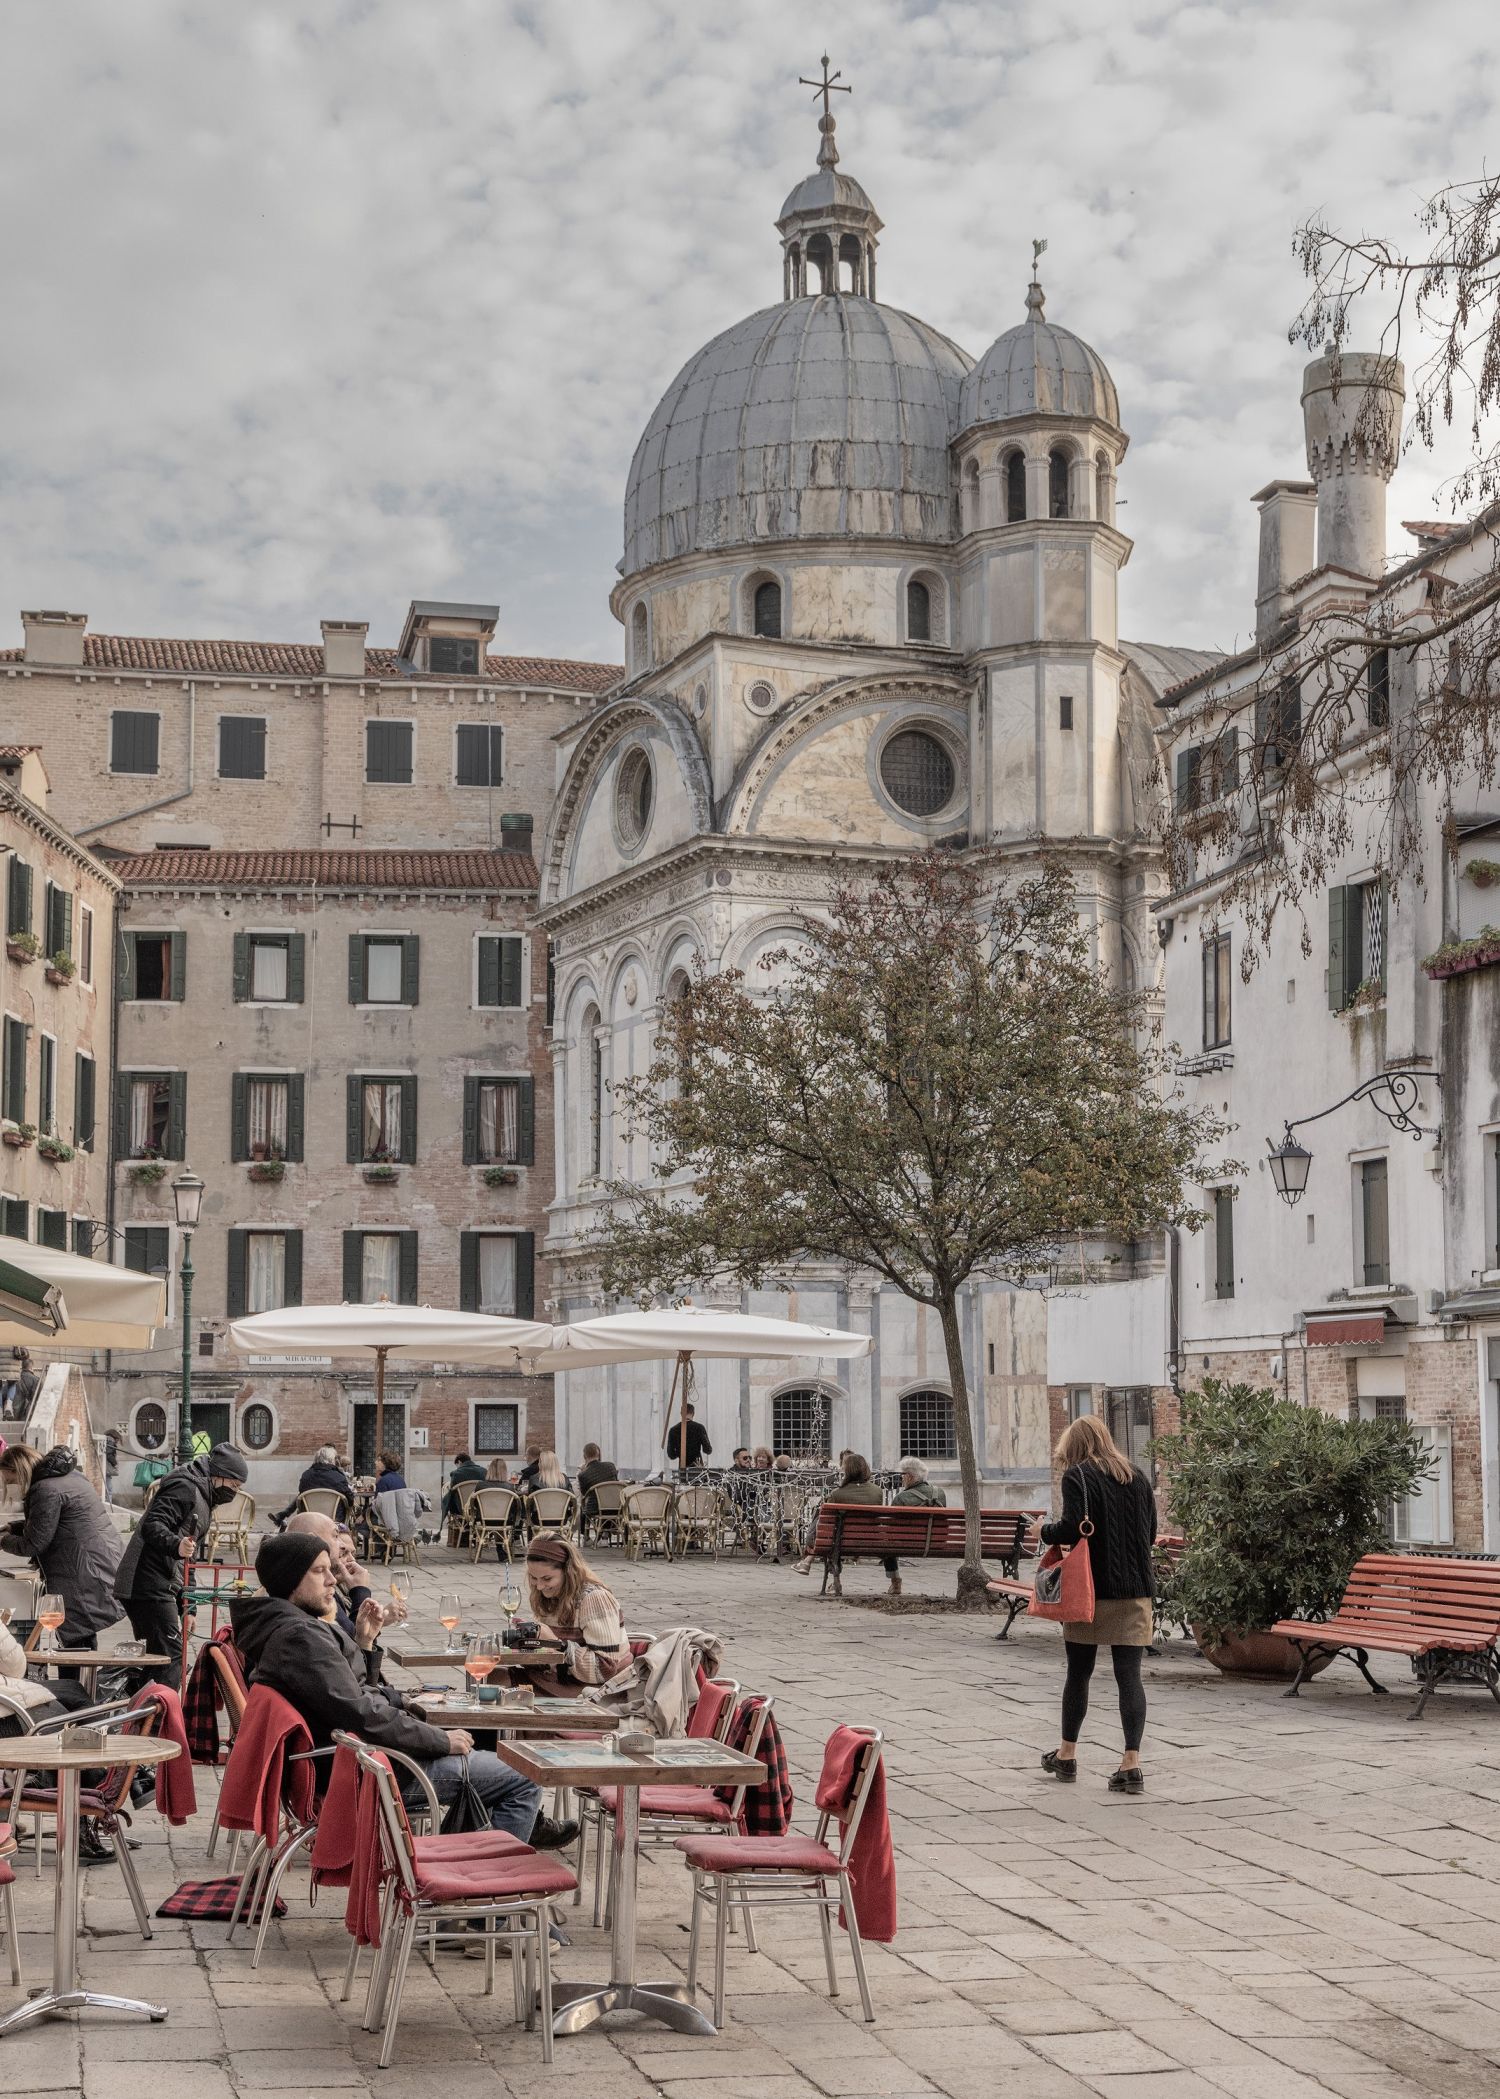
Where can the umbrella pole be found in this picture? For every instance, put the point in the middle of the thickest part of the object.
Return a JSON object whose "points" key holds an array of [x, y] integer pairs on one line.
{"points": [[680, 1372], [379, 1406]]}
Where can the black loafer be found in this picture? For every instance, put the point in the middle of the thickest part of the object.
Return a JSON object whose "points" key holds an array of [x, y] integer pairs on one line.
{"points": [[1127, 1781], [547, 1835], [1063, 1768]]}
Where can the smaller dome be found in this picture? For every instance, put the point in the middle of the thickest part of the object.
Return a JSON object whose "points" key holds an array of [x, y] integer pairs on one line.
{"points": [[1037, 368], [826, 190]]}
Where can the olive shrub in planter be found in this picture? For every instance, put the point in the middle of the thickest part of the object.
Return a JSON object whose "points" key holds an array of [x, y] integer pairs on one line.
{"points": [[1276, 1502]]}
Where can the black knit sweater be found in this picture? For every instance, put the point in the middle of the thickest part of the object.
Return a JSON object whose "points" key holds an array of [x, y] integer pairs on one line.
{"points": [[1124, 1518]]}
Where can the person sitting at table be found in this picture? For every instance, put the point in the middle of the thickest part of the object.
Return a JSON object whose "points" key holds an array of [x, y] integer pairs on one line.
{"points": [[763, 1458], [594, 1470], [575, 1611], [324, 1473], [526, 1477], [916, 1492], [64, 1528], [740, 1462], [549, 1472], [352, 1597], [391, 1479], [855, 1489], [464, 1468], [291, 1642], [497, 1473]]}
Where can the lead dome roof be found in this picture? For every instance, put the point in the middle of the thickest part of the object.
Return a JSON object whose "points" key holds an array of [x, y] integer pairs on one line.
{"points": [[1037, 368]]}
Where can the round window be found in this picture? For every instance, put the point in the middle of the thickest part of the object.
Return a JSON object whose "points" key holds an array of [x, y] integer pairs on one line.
{"points": [[633, 796], [762, 698], [917, 772], [150, 1426], [257, 1427]]}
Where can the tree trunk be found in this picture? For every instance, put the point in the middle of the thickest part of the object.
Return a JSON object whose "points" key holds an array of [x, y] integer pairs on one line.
{"points": [[971, 1575]]}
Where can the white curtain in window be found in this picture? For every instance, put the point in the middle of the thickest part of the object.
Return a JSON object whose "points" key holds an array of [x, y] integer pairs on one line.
{"points": [[265, 1278], [383, 973], [497, 1274], [500, 1122], [267, 969], [382, 1120], [141, 1096], [265, 1106], [380, 1271]]}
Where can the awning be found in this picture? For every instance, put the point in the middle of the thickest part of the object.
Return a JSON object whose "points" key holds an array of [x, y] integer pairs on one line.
{"points": [[66, 1301], [1345, 1329]]}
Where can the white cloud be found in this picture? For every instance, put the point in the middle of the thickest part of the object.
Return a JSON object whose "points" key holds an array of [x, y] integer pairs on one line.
{"points": [[315, 308]]}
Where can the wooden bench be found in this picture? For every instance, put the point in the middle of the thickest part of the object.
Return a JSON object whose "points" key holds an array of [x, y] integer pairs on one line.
{"points": [[865, 1532], [1444, 1614], [1016, 1595]]}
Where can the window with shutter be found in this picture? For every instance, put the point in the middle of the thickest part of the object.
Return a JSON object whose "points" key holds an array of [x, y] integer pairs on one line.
{"points": [[58, 936], [1375, 1223], [83, 1238], [15, 1217], [500, 970], [18, 897], [1189, 765], [1378, 689], [477, 755], [134, 742], [52, 1229], [242, 747], [85, 944], [154, 966], [1216, 991], [46, 1102], [147, 1248], [83, 1102], [388, 749], [1223, 1242], [13, 1086], [176, 1145]]}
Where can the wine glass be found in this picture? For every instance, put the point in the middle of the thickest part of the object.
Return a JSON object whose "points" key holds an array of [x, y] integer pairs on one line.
{"points": [[510, 1600], [479, 1661], [50, 1613], [399, 1606], [449, 1613]]}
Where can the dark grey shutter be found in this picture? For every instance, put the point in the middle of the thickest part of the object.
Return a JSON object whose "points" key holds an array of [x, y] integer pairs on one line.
{"points": [[292, 1267], [1208, 994], [489, 971], [236, 1291], [83, 1239], [124, 1080], [411, 950], [473, 755], [18, 898], [354, 1118], [1223, 1242], [409, 1121], [526, 1124], [1189, 764], [525, 1275], [125, 964], [296, 968], [1342, 940], [296, 1120], [83, 1102], [177, 1115], [239, 1120], [388, 753], [497, 754], [1374, 1195], [1385, 926], [241, 966], [179, 966], [14, 1086], [408, 1267], [356, 969], [468, 1271], [354, 1244], [510, 972], [1378, 689], [471, 1122]]}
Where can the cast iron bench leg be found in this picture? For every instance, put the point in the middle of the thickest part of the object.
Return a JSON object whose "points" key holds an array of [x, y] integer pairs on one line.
{"points": [[1014, 1605], [1305, 1656], [1361, 1663]]}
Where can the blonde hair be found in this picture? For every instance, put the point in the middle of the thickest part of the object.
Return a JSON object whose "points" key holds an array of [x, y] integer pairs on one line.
{"points": [[577, 1575], [18, 1461], [549, 1472], [1087, 1441], [498, 1470]]}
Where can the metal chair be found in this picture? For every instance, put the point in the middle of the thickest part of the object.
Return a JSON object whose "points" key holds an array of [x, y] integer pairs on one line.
{"points": [[764, 1872], [698, 1519], [105, 1807], [493, 1511], [233, 1694], [648, 1516], [230, 1526], [603, 1510], [8, 1907], [552, 1509]]}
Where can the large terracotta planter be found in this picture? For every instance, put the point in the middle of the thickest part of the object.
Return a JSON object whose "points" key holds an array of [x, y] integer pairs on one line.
{"points": [[1266, 1656]]}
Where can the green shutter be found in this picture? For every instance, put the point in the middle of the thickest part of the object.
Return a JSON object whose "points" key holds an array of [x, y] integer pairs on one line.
{"points": [[236, 1294], [125, 964], [124, 1080], [408, 1267], [471, 1122], [411, 947], [510, 972], [525, 1275], [239, 1121], [18, 898], [179, 966], [296, 968], [1189, 767], [177, 1115], [353, 1134], [526, 1124], [241, 970], [293, 1267], [489, 971], [353, 1266], [65, 918], [356, 969], [468, 1271], [408, 1121], [296, 1120], [1343, 944], [83, 1101]]}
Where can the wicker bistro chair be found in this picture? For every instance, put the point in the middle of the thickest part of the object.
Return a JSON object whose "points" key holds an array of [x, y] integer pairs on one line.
{"points": [[762, 1872], [229, 1527], [698, 1518], [324, 1501], [459, 1525], [648, 1520], [603, 1510], [552, 1509], [494, 1513]]}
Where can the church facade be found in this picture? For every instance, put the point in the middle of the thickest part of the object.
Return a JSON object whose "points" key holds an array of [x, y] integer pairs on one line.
{"points": [[870, 596]]}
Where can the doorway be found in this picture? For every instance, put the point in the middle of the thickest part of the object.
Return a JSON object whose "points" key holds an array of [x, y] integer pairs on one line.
{"points": [[1129, 1412], [365, 1452]]}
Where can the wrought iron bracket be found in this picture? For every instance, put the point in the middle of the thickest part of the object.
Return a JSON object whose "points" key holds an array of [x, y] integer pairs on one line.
{"points": [[1402, 1091]]}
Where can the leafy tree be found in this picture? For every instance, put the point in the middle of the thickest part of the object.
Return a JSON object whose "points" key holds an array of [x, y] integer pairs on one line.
{"points": [[935, 1082], [1276, 1501]]}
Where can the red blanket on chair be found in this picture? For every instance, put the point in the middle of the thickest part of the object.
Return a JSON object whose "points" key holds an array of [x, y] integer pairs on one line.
{"points": [[175, 1795], [872, 1863], [333, 1846], [250, 1795]]}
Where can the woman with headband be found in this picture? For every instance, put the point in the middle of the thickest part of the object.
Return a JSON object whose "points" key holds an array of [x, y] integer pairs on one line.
{"points": [[576, 1611]]}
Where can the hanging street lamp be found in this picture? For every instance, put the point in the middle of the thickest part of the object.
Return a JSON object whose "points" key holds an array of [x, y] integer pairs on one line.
{"points": [[1393, 1094]]}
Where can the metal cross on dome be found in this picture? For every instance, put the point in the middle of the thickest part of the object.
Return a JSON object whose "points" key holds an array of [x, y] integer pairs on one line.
{"points": [[826, 87]]}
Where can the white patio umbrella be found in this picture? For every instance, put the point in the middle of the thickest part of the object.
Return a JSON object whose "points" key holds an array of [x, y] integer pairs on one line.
{"points": [[409, 1333], [73, 1302]]}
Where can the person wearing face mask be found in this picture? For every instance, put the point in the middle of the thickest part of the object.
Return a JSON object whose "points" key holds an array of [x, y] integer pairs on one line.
{"points": [[150, 1578]]}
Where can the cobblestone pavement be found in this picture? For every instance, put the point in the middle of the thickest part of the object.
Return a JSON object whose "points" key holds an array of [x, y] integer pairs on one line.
{"points": [[1305, 1901]]}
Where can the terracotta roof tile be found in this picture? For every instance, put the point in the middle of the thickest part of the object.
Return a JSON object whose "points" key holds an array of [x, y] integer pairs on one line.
{"points": [[11, 753], [304, 660], [464, 869]]}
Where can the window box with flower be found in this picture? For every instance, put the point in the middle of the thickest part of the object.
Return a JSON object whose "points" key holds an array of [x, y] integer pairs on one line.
{"points": [[501, 1177], [380, 1172], [54, 1148], [147, 1172], [22, 947], [1458, 957], [18, 1134], [60, 967]]}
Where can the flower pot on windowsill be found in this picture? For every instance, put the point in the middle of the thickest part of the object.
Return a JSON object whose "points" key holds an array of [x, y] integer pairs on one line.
{"points": [[147, 1172], [501, 1177], [380, 1174], [18, 1134], [1461, 956], [22, 947], [267, 1169], [60, 968], [55, 1149]]}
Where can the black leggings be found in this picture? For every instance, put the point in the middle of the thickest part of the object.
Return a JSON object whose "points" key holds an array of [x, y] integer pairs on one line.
{"points": [[1075, 1704]]}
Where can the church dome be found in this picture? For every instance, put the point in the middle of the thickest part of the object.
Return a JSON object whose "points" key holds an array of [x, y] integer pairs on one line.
{"points": [[825, 189], [1038, 368], [825, 416]]}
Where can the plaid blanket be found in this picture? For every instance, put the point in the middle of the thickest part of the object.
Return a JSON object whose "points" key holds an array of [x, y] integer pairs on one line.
{"points": [[768, 1806], [210, 1902], [200, 1711]]}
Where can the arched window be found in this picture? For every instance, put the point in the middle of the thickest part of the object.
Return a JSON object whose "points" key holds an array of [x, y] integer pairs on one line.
{"points": [[927, 1425], [851, 256], [1015, 487], [1057, 483], [794, 260], [768, 608], [820, 258], [639, 638], [257, 1426], [150, 1426], [592, 1047], [799, 1423], [971, 497], [918, 611], [1101, 488]]}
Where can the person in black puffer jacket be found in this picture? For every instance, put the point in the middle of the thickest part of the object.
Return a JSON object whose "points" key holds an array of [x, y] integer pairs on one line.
{"points": [[63, 1528], [1102, 1488], [150, 1578]]}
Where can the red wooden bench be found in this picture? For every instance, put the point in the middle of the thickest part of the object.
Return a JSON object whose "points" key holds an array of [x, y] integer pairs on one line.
{"points": [[862, 1532], [1016, 1595], [1443, 1614]]}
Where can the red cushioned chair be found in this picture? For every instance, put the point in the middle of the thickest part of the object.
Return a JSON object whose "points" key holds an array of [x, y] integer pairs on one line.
{"points": [[761, 1872], [469, 1881], [8, 1903]]}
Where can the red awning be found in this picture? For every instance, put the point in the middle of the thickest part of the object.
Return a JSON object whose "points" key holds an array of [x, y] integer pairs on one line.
{"points": [[1350, 1328]]}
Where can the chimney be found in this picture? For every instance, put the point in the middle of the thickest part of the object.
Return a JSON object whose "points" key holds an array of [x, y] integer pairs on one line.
{"points": [[1351, 413], [344, 647], [515, 834], [54, 638], [1288, 516]]}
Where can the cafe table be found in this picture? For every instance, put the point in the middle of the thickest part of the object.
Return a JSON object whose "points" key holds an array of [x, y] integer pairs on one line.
{"points": [[675, 1762], [92, 1658], [409, 1655], [68, 1757], [546, 1715]]}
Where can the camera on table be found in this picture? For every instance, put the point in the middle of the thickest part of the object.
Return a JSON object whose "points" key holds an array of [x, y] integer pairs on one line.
{"points": [[525, 1633]]}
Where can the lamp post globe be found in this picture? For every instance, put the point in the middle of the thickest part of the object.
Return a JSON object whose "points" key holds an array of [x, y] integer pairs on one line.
{"points": [[1290, 1163], [187, 1196]]}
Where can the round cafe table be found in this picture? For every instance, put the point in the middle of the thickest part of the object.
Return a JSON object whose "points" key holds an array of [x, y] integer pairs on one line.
{"points": [[28, 1753]]}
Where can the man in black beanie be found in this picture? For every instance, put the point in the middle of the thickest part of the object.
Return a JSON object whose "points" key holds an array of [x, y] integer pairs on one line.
{"points": [[149, 1578], [291, 1641]]}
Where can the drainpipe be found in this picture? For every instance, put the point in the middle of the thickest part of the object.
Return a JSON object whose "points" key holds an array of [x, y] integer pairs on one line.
{"points": [[164, 801], [1174, 1308]]}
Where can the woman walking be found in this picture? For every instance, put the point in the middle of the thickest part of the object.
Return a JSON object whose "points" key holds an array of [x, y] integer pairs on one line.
{"points": [[1101, 1487]]}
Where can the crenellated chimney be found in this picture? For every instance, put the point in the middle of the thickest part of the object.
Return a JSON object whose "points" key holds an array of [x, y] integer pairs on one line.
{"points": [[54, 638], [344, 647], [1288, 521], [1351, 413]]}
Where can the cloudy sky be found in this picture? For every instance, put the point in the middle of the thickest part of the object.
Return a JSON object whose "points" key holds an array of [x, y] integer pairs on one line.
{"points": [[314, 308]]}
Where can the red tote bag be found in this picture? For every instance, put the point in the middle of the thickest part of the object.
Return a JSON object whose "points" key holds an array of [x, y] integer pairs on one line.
{"points": [[1064, 1584]]}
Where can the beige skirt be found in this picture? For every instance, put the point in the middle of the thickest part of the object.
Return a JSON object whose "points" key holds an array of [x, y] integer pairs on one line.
{"points": [[1118, 1621]]}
